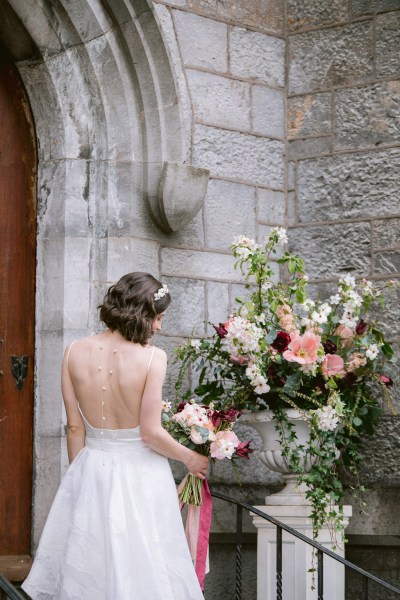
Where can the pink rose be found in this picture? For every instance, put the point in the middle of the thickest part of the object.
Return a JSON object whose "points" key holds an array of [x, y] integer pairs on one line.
{"points": [[333, 365], [346, 335], [302, 349]]}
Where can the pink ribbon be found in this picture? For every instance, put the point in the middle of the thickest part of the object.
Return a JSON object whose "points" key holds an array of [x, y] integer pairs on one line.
{"points": [[198, 524]]}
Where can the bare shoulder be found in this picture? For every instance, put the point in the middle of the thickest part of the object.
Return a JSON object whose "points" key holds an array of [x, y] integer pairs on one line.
{"points": [[160, 354], [81, 344]]}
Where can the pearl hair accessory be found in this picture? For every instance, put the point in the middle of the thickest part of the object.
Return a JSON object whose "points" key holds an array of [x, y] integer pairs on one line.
{"points": [[160, 293]]}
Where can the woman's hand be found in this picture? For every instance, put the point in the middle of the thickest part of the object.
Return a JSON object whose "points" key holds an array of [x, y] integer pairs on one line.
{"points": [[197, 464]]}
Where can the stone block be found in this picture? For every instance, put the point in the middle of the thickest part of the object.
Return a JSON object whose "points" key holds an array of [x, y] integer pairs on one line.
{"points": [[265, 15], [313, 13], [349, 186], [229, 211], [309, 115], [263, 234], [126, 255], [257, 56], [387, 44], [198, 265], [88, 20], [330, 251], [238, 291], [313, 146], [365, 7], [378, 519], [187, 315], [168, 344], [292, 208], [389, 315], [239, 156], [386, 233], [383, 466], [291, 176], [268, 109], [48, 401], [368, 117], [76, 282], [219, 100], [50, 284], [387, 262], [203, 42], [271, 206], [217, 304], [336, 56]]}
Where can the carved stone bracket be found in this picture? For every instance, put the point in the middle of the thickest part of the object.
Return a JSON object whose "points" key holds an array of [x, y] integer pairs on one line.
{"points": [[181, 194]]}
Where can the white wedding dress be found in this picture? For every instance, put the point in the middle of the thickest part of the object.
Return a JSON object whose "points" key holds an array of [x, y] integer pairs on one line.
{"points": [[115, 530]]}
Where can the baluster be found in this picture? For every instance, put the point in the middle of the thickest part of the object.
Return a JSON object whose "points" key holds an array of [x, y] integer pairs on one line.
{"points": [[239, 539], [320, 567], [365, 588], [278, 563]]}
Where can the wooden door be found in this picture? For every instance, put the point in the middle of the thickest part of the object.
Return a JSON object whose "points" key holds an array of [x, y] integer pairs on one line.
{"points": [[17, 295]]}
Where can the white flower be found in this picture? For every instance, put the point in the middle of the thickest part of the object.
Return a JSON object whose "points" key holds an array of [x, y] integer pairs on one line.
{"points": [[348, 281], [335, 299], [281, 232], [196, 344], [309, 369], [327, 419], [319, 317], [260, 385], [306, 322], [267, 285], [260, 318], [243, 337], [308, 304], [252, 371], [243, 252], [325, 308], [372, 351], [166, 406]]}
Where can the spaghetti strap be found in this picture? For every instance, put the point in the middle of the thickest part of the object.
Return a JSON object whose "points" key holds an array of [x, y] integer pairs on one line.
{"points": [[151, 358], [69, 350]]}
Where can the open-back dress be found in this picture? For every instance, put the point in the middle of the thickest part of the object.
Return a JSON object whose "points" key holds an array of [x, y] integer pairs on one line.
{"points": [[114, 531]]}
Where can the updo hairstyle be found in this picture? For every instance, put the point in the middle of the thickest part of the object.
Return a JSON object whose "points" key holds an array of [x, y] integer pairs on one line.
{"points": [[129, 306]]}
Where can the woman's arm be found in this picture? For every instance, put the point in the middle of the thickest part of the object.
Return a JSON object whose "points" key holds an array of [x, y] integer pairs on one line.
{"points": [[75, 424], [151, 429]]}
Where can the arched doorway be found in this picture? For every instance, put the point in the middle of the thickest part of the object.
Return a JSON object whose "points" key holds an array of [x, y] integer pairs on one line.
{"points": [[17, 316]]}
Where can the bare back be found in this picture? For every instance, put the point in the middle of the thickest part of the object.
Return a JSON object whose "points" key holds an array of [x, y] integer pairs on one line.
{"points": [[108, 375]]}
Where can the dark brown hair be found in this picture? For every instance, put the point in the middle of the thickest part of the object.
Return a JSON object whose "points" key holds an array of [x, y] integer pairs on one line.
{"points": [[129, 306]]}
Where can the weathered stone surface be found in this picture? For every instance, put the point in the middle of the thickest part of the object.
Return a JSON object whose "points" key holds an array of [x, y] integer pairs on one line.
{"points": [[210, 49], [387, 44], [309, 115], [77, 284], [383, 466], [217, 304], [195, 264], [355, 185], [187, 315], [219, 100], [387, 262], [268, 109], [386, 233], [292, 208], [310, 147], [126, 255], [169, 343], [229, 210], [368, 116], [312, 13], [330, 251], [389, 316], [262, 14], [239, 156], [49, 293], [363, 7], [89, 20], [336, 56], [271, 206], [257, 56], [291, 176]]}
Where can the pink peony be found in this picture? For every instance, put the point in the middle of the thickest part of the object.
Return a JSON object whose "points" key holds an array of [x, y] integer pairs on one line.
{"points": [[333, 365], [224, 445], [302, 349]]}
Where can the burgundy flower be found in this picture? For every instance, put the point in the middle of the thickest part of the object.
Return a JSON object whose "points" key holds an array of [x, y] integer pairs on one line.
{"points": [[243, 450], [281, 342], [388, 381], [181, 406], [221, 330], [349, 379], [275, 379], [218, 416], [329, 347], [361, 327]]}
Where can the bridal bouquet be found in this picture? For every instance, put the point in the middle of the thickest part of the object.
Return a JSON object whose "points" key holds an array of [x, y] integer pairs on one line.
{"points": [[280, 349], [209, 432]]}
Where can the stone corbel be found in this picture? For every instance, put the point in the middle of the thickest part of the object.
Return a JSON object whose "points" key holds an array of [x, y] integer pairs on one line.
{"points": [[181, 194]]}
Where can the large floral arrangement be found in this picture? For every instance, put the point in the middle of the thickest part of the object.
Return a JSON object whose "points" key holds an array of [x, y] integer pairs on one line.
{"points": [[281, 349]]}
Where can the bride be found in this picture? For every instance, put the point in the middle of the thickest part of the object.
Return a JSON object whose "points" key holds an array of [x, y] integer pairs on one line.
{"points": [[114, 531]]}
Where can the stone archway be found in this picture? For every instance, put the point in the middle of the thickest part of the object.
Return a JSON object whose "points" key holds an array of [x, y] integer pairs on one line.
{"points": [[109, 109]]}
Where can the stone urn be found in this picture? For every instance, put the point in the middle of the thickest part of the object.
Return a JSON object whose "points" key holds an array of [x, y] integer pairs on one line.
{"points": [[271, 453]]}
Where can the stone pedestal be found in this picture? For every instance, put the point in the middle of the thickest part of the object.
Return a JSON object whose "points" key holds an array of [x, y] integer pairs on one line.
{"points": [[297, 556]]}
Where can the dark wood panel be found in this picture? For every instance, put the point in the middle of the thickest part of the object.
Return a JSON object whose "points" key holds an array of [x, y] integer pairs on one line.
{"points": [[17, 295]]}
